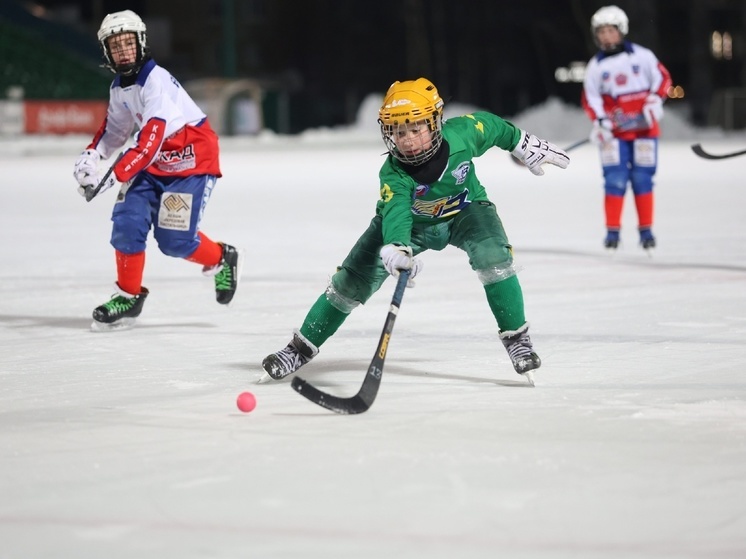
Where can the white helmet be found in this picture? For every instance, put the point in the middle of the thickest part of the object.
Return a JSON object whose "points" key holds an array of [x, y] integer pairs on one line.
{"points": [[610, 15], [123, 22]]}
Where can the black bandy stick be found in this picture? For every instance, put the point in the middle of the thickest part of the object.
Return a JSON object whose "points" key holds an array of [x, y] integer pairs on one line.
{"points": [[91, 192], [699, 150], [365, 397]]}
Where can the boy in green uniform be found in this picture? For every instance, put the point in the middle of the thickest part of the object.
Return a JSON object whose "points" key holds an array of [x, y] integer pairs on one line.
{"points": [[430, 198]]}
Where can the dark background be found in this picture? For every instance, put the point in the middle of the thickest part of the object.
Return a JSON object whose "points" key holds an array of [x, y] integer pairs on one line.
{"points": [[325, 56]]}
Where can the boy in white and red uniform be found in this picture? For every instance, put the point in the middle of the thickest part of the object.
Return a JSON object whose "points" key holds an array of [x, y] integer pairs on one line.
{"points": [[623, 94], [168, 173]]}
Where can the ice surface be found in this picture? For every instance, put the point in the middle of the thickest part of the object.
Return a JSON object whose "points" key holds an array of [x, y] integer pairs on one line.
{"points": [[632, 444]]}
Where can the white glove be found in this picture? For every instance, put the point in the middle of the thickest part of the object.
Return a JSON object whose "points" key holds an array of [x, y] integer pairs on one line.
{"points": [[88, 175], [653, 109], [602, 131], [86, 168], [535, 152], [398, 257], [87, 190]]}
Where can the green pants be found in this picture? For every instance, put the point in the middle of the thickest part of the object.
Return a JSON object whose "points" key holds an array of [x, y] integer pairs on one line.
{"points": [[477, 230]]}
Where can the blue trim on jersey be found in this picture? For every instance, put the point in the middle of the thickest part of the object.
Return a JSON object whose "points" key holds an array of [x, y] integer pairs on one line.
{"points": [[145, 72], [142, 75], [627, 47]]}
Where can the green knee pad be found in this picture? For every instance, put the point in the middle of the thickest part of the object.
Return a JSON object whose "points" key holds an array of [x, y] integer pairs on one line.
{"points": [[357, 286]]}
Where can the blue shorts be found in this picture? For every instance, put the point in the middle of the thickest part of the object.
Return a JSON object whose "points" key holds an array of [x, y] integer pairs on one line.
{"points": [[172, 206], [629, 162]]}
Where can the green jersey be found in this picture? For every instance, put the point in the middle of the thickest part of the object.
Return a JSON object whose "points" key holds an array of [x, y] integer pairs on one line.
{"points": [[405, 202]]}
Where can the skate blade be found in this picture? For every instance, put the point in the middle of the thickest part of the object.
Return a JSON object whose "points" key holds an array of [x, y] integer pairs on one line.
{"points": [[239, 270], [265, 379], [121, 324], [530, 378]]}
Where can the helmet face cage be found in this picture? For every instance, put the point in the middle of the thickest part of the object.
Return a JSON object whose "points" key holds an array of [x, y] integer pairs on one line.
{"points": [[117, 24], [408, 106], [609, 15], [390, 132]]}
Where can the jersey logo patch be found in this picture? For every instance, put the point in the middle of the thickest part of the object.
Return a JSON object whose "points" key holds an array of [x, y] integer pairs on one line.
{"points": [[386, 193], [442, 207], [175, 212], [620, 79], [460, 173], [421, 190], [177, 160]]}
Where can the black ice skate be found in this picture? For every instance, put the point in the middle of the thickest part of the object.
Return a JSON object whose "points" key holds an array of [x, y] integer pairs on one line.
{"points": [[288, 360], [612, 239], [120, 312], [521, 351], [226, 274], [647, 240]]}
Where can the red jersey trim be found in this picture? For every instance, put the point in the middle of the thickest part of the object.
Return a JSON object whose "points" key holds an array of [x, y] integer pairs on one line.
{"points": [[141, 155]]}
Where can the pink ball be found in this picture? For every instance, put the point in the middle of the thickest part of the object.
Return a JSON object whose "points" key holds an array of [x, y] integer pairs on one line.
{"points": [[246, 402]]}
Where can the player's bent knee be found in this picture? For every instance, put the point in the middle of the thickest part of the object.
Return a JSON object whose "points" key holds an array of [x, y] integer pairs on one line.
{"points": [[348, 290], [340, 301], [615, 184], [612, 190], [128, 240], [497, 272], [178, 248], [642, 182]]}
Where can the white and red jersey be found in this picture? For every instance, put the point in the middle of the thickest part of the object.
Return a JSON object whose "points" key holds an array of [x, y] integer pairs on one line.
{"points": [[174, 138], [616, 86]]}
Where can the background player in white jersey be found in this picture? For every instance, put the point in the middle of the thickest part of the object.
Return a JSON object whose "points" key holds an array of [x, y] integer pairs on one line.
{"points": [[623, 93], [167, 175]]}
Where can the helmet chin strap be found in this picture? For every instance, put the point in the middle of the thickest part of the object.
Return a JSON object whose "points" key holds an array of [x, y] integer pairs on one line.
{"points": [[614, 49], [128, 69]]}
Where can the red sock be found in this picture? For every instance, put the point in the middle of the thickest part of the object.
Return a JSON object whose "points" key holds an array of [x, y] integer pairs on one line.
{"points": [[129, 271], [613, 207], [644, 203], [208, 253]]}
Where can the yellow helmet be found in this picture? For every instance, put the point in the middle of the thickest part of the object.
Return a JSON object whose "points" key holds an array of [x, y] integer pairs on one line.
{"points": [[407, 103]]}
